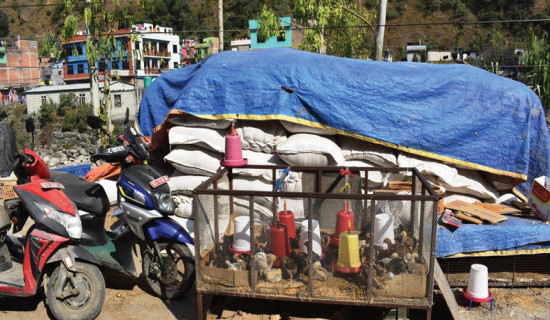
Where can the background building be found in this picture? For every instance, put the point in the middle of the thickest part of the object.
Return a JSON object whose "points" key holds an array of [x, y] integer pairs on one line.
{"points": [[19, 69], [240, 45], [123, 97], [283, 40], [193, 51]]}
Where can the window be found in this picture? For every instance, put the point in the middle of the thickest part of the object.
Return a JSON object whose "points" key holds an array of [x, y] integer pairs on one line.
{"points": [[260, 39], [175, 48], [70, 69], [281, 36], [175, 65], [125, 65], [136, 45], [101, 67], [118, 101], [138, 64], [80, 68], [79, 50], [44, 99], [81, 98]]}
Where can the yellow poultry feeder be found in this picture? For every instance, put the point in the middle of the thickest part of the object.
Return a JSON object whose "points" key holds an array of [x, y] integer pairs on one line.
{"points": [[348, 253]]}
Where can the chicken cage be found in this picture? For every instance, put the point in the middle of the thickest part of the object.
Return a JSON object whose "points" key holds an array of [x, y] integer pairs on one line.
{"points": [[317, 234]]}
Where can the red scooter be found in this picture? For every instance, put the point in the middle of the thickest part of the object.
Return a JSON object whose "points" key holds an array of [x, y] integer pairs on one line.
{"points": [[49, 254]]}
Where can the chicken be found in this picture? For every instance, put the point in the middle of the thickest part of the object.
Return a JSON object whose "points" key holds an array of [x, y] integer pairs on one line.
{"points": [[274, 276], [235, 266], [289, 266], [263, 262], [319, 273]]}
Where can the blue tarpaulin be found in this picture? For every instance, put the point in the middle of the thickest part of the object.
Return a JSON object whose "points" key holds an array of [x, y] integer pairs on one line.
{"points": [[454, 113], [514, 233]]}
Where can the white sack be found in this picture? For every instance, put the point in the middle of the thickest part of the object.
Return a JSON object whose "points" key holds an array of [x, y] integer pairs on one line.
{"points": [[507, 198], [110, 189], [354, 149], [199, 122], [183, 182], [194, 160], [209, 139], [184, 206], [261, 136], [453, 180], [377, 179], [258, 158], [305, 149], [452, 197], [299, 128]]}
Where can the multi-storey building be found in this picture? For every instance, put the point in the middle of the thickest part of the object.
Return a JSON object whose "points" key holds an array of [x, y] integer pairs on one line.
{"points": [[76, 67], [156, 49], [19, 69], [282, 40], [193, 51]]}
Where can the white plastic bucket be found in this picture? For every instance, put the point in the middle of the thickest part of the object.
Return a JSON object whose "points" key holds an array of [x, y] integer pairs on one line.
{"points": [[383, 228], [316, 237], [478, 282], [241, 237]]}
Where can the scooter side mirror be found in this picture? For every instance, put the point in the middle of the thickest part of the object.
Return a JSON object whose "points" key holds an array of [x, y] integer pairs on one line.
{"points": [[94, 122], [29, 124]]}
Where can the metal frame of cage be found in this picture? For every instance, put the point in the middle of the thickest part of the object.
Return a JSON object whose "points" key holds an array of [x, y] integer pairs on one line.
{"points": [[426, 194]]}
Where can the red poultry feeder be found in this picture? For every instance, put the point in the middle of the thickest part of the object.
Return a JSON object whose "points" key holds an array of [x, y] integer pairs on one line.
{"points": [[344, 218], [280, 245], [286, 218]]}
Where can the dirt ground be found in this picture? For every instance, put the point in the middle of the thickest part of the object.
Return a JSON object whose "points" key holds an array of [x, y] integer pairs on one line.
{"points": [[127, 300]]}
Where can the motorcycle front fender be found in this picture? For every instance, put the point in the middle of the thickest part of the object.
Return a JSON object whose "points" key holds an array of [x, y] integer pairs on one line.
{"points": [[166, 229]]}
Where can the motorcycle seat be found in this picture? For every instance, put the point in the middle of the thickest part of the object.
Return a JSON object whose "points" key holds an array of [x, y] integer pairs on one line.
{"points": [[87, 196]]}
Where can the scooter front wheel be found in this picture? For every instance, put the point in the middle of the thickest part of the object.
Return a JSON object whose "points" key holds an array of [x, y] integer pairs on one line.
{"points": [[175, 276], [81, 297]]}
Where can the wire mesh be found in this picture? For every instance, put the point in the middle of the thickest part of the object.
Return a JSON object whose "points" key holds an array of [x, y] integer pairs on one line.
{"points": [[332, 240]]}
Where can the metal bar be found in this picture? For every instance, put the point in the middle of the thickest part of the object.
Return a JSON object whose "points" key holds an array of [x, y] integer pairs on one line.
{"points": [[252, 245], [327, 169], [310, 248], [430, 284], [269, 194], [216, 224], [421, 235], [420, 304], [413, 207], [319, 181], [371, 254], [208, 181], [230, 177], [199, 306], [197, 223], [425, 183], [273, 204]]}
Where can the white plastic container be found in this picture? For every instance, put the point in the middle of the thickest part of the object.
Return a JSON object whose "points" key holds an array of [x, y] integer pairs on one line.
{"points": [[241, 237], [383, 228], [478, 282], [316, 237]]}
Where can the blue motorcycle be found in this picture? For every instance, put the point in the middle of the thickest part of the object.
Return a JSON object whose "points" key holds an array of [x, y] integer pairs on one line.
{"points": [[146, 229]]}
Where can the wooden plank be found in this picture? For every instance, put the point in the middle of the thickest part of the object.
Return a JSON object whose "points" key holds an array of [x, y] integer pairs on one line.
{"points": [[476, 211], [446, 291], [499, 208], [462, 216]]}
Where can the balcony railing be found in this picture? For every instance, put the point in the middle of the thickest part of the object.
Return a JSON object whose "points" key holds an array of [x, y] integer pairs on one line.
{"points": [[155, 53]]}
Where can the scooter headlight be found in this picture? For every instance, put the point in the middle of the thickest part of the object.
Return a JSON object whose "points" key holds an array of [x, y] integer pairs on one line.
{"points": [[70, 222], [165, 203]]}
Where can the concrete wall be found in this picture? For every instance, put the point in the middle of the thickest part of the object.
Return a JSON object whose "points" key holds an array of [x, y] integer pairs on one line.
{"points": [[271, 42]]}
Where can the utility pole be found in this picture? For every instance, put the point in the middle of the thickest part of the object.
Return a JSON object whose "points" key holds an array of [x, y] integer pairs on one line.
{"points": [[220, 22], [92, 69], [380, 30]]}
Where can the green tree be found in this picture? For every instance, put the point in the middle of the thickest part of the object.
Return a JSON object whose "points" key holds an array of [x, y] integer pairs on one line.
{"points": [[537, 67], [326, 25], [103, 20], [47, 113], [66, 101], [4, 25]]}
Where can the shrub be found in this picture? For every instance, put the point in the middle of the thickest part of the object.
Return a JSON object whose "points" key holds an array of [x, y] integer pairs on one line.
{"points": [[69, 122], [46, 135], [66, 101], [47, 113]]}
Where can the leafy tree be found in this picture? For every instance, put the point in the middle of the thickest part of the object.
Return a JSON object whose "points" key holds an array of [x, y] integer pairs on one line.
{"points": [[66, 101], [47, 113], [537, 69], [4, 25], [327, 24]]}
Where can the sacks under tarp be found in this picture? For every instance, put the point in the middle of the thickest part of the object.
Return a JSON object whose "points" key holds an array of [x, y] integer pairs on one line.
{"points": [[8, 145], [454, 113]]}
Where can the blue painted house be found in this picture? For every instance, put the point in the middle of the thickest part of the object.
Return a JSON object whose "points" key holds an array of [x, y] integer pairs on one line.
{"points": [[281, 41]]}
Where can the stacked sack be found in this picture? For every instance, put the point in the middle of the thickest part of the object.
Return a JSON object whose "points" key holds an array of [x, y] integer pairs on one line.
{"points": [[197, 146]]}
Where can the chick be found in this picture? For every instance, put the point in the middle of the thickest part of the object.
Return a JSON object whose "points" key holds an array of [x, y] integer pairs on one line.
{"points": [[235, 266], [289, 266], [397, 265], [264, 262], [274, 276], [411, 257], [319, 273], [301, 261], [401, 237]]}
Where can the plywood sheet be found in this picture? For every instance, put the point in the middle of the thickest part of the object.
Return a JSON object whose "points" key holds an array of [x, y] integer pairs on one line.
{"points": [[476, 211]]}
